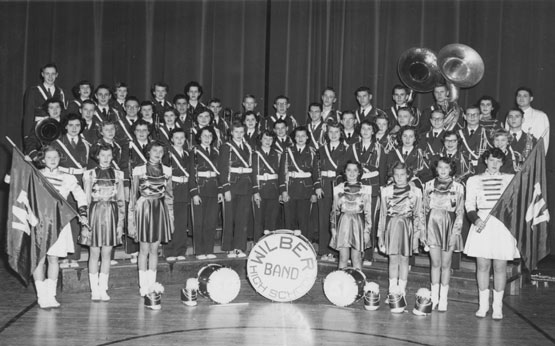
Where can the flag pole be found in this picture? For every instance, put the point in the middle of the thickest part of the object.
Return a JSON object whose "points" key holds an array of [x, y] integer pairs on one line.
{"points": [[41, 177]]}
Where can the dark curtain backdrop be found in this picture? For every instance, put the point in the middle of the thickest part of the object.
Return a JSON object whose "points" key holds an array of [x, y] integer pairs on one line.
{"points": [[269, 48]]}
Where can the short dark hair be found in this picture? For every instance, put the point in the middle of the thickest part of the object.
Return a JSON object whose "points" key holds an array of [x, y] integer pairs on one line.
{"points": [[281, 97], [179, 97], [102, 86], [201, 110], [173, 110], [159, 84], [402, 130], [450, 161], [48, 65], [399, 87], [299, 129], [451, 133], [50, 101], [495, 152], [244, 117], [118, 85], [352, 162], [315, 104], [401, 165], [140, 122], [363, 88], [72, 117], [132, 98], [209, 129], [193, 84], [524, 88], [177, 130], [215, 100], [76, 87], [87, 102]]}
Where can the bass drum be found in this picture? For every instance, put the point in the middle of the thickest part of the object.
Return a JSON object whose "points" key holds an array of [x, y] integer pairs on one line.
{"points": [[345, 286], [282, 266], [219, 283]]}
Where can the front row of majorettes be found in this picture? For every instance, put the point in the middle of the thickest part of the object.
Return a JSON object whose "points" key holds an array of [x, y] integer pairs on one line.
{"points": [[387, 186]]}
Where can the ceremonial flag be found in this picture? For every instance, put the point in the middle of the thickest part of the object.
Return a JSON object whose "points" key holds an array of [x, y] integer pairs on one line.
{"points": [[37, 215], [523, 208]]}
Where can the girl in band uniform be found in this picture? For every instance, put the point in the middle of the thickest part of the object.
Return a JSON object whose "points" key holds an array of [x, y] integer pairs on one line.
{"points": [[150, 212], [104, 189]]}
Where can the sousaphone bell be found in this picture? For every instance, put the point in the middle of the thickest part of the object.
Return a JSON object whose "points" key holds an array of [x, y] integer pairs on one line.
{"points": [[48, 130]]}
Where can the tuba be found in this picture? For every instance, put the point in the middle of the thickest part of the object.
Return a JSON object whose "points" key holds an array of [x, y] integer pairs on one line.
{"points": [[420, 69], [461, 66], [48, 130]]}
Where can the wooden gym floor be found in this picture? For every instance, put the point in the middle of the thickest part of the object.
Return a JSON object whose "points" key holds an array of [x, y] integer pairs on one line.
{"points": [[253, 320]]}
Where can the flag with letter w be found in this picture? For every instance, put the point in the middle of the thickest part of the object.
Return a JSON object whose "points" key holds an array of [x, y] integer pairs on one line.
{"points": [[36, 216], [523, 208]]}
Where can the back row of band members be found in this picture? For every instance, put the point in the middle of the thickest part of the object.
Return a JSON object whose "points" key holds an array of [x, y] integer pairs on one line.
{"points": [[265, 176], [110, 104]]}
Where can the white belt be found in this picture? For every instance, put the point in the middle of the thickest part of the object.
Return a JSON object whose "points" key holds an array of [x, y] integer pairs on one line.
{"points": [[240, 170], [299, 175], [74, 171], [369, 175], [40, 117], [207, 174], [267, 176], [329, 174], [182, 179]]}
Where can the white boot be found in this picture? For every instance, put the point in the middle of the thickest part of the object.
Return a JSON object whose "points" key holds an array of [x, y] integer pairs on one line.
{"points": [[497, 305], [93, 281], [103, 287], [443, 298], [41, 291], [143, 282], [51, 293], [392, 288], [151, 277], [435, 295], [484, 304], [403, 286]]}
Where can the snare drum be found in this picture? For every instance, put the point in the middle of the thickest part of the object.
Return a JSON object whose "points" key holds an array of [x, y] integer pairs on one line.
{"points": [[282, 266], [219, 283], [345, 286]]}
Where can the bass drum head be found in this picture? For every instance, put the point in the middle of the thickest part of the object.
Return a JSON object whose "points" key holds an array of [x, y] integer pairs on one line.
{"points": [[345, 286], [282, 266], [219, 283]]}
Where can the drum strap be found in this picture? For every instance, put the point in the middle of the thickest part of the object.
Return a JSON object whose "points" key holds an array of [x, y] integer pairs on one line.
{"points": [[239, 154], [399, 155], [139, 152], [42, 92]]}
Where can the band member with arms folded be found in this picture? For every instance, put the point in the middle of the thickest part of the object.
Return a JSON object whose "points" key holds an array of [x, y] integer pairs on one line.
{"points": [[299, 181], [178, 159], [369, 153], [104, 189], [489, 239], [65, 184], [206, 192], [235, 164], [332, 157], [401, 225], [351, 216], [150, 212], [265, 165], [444, 212]]}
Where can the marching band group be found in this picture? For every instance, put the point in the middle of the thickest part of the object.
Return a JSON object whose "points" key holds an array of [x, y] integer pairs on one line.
{"points": [[147, 173]]}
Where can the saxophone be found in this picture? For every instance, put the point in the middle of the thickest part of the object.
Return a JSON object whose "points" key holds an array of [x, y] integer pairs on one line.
{"points": [[529, 145]]}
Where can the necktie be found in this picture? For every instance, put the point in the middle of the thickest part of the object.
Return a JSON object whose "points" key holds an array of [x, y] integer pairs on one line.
{"points": [[50, 93], [405, 154], [364, 149], [207, 150], [435, 134], [241, 146], [348, 135], [73, 142], [104, 113], [471, 132], [362, 112], [449, 155], [332, 149], [514, 136]]}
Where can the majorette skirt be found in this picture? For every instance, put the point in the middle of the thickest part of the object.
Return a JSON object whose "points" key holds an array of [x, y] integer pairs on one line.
{"points": [[350, 232], [152, 220], [398, 235], [494, 242], [103, 218], [440, 229]]}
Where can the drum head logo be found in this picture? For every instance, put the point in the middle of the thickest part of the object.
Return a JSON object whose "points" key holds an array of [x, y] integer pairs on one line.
{"points": [[282, 267]]}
